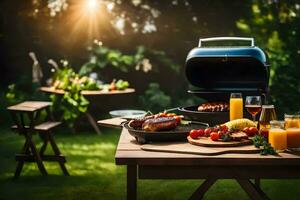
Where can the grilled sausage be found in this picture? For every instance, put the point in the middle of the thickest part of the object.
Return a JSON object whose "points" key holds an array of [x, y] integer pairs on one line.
{"points": [[213, 107], [159, 124], [138, 122]]}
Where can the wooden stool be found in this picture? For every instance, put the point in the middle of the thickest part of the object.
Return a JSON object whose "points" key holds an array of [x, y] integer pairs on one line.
{"points": [[29, 152]]}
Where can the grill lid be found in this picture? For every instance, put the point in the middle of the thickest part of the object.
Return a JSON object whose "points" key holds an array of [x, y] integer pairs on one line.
{"points": [[228, 68]]}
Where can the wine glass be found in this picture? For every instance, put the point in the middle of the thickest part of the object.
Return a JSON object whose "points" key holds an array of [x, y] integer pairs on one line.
{"points": [[253, 105]]}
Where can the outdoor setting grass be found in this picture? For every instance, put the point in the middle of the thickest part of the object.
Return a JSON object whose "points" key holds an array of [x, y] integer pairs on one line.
{"points": [[94, 174]]}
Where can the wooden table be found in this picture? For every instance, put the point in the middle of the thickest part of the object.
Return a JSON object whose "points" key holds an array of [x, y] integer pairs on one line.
{"points": [[29, 152], [241, 167], [90, 118]]}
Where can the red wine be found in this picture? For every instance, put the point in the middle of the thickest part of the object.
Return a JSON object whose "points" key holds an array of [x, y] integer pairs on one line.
{"points": [[253, 109]]}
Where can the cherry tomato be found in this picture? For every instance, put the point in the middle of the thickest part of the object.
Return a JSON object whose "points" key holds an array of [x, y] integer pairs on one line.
{"points": [[265, 133], [200, 132], [194, 134], [224, 128], [220, 133], [207, 132], [252, 131], [214, 136], [215, 129], [246, 130]]}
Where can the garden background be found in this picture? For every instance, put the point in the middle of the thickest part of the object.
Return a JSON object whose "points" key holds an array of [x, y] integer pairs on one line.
{"points": [[144, 42]]}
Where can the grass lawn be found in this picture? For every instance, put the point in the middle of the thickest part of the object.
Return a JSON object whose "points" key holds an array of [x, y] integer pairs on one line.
{"points": [[94, 174]]}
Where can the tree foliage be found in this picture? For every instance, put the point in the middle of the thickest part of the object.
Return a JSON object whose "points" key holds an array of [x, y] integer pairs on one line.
{"points": [[155, 29], [276, 26]]}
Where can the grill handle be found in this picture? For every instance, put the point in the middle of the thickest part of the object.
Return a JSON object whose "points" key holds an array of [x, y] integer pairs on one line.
{"points": [[201, 40]]}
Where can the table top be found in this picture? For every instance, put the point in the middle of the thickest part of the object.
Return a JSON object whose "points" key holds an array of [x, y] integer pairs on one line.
{"points": [[29, 106], [89, 92], [112, 123], [130, 152]]}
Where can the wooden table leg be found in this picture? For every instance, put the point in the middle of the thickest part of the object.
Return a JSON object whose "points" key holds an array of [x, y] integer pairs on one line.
{"points": [[25, 150], [37, 158], [252, 190], [93, 122], [131, 182], [57, 153], [204, 187]]}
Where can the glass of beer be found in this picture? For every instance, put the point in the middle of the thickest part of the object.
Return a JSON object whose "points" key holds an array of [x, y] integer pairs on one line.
{"points": [[267, 114], [253, 105]]}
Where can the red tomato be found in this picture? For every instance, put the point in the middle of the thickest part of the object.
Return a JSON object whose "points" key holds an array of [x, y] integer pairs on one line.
{"points": [[207, 132], [200, 132], [214, 136], [265, 133], [215, 129], [220, 133], [246, 130], [194, 134], [224, 128], [252, 131]]}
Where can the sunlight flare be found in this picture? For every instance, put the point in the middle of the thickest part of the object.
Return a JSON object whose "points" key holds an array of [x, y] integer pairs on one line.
{"points": [[92, 5]]}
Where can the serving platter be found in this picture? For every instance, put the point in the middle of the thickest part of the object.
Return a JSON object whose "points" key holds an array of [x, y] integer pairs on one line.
{"points": [[180, 133], [207, 142], [187, 148]]}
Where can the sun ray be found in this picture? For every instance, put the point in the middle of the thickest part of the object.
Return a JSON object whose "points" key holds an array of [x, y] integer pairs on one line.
{"points": [[86, 18]]}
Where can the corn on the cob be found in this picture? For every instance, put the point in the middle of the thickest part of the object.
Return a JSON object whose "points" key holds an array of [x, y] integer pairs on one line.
{"points": [[239, 124]]}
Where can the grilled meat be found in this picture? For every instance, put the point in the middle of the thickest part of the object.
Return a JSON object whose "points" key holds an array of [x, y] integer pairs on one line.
{"points": [[239, 136], [214, 107], [138, 122], [159, 124]]}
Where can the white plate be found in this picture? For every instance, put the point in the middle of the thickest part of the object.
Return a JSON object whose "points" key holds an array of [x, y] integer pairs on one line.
{"points": [[127, 113]]}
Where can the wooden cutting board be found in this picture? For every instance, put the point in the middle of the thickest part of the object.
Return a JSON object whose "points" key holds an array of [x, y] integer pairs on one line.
{"points": [[187, 148], [207, 142]]}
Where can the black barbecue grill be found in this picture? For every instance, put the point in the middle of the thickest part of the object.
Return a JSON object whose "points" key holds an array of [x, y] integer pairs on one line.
{"points": [[218, 71]]}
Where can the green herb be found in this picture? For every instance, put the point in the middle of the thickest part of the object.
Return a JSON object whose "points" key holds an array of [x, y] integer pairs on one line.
{"points": [[225, 137], [261, 142], [185, 122]]}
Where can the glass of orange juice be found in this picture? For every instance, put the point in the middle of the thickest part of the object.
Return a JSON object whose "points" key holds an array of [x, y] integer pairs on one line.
{"points": [[277, 135], [236, 106], [292, 125], [292, 121]]}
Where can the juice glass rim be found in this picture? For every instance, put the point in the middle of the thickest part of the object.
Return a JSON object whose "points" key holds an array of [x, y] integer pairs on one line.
{"points": [[293, 116], [236, 95], [267, 106]]}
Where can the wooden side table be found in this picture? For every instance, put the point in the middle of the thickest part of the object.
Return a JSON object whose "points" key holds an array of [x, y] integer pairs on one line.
{"points": [[31, 110], [90, 93]]}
